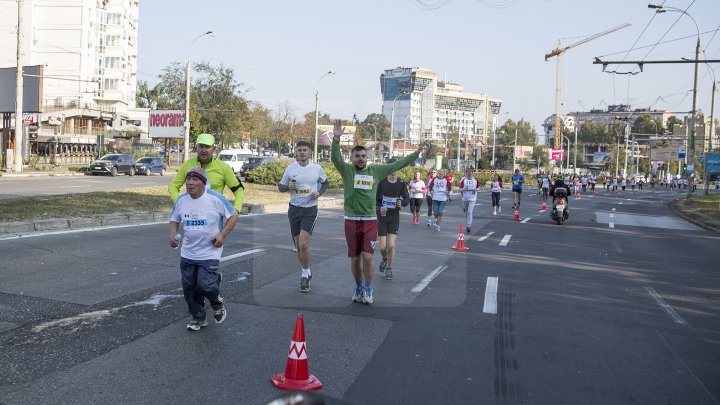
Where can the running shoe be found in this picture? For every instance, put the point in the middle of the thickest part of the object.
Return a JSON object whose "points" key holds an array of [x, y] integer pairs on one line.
{"points": [[499, 209], [196, 325], [388, 274], [368, 297], [429, 222], [437, 228], [467, 230], [358, 297], [383, 264], [220, 315], [305, 284]]}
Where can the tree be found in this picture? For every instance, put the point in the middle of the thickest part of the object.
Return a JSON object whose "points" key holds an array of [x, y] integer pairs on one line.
{"points": [[671, 122], [594, 133], [375, 124], [505, 140], [645, 124]]}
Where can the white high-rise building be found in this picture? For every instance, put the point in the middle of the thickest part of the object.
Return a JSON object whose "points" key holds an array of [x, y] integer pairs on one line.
{"points": [[89, 52], [428, 109]]}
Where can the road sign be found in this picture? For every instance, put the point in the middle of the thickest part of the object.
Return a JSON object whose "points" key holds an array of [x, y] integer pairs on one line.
{"points": [[713, 163], [681, 152]]}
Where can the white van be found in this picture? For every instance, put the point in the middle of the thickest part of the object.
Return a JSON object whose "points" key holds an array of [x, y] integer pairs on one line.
{"points": [[235, 157]]}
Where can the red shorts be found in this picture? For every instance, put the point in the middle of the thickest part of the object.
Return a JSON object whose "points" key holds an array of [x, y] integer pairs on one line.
{"points": [[361, 236]]}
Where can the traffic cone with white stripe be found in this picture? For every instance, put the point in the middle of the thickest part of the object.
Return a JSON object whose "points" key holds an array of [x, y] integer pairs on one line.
{"points": [[460, 242], [297, 376], [544, 207], [516, 216]]}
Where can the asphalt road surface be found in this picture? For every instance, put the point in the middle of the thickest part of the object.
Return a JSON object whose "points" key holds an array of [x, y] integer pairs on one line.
{"points": [[619, 305], [54, 185]]}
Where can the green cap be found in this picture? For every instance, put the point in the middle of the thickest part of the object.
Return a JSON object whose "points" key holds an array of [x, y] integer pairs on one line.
{"points": [[205, 139]]}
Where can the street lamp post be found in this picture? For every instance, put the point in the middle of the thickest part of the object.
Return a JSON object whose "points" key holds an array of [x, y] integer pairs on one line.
{"points": [[515, 149], [374, 142], [187, 95], [691, 148], [392, 125], [405, 137], [317, 92], [575, 170], [567, 158], [493, 148]]}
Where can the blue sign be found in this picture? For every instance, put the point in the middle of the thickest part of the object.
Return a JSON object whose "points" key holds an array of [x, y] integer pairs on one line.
{"points": [[712, 164]]}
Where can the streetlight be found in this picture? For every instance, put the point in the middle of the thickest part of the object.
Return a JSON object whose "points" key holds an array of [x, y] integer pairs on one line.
{"points": [[567, 158], [493, 148], [392, 123], [317, 92], [187, 95], [691, 151], [374, 142], [405, 137]]}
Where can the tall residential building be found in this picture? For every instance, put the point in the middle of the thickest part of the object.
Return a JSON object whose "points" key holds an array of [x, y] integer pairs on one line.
{"points": [[89, 52], [428, 109]]}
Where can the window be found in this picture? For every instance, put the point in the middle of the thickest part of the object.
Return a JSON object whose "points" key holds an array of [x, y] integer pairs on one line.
{"points": [[113, 19], [111, 84], [112, 62], [113, 40]]}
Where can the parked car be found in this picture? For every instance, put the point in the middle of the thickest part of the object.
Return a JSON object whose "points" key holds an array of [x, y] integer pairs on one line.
{"points": [[113, 164], [255, 162], [235, 158], [150, 165]]}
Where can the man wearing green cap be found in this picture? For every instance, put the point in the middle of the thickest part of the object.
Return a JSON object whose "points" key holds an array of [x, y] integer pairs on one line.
{"points": [[220, 174]]}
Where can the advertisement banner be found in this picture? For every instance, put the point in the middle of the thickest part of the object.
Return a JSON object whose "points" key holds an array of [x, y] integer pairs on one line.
{"points": [[602, 157], [557, 154], [167, 124], [523, 152], [667, 150]]}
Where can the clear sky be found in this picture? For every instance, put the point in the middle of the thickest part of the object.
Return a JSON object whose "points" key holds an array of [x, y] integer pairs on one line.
{"points": [[280, 48]]}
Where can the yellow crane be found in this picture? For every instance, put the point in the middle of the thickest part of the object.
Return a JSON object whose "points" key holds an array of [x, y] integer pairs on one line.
{"points": [[559, 51]]}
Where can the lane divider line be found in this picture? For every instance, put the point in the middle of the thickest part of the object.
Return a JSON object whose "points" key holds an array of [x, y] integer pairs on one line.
{"points": [[505, 240], [525, 220], [665, 307], [491, 288], [482, 238], [425, 281], [236, 255], [611, 225]]}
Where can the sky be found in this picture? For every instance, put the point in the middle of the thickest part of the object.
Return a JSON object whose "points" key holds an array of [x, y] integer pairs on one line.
{"points": [[280, 48]]}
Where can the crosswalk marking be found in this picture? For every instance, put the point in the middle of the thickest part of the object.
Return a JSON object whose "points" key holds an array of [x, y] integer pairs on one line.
{"points": [[490, 306], [525, 220], [505, 240], [482, 238], [425, 281]]}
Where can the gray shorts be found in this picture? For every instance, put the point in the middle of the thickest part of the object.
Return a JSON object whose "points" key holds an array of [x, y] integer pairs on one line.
{"points": [[302, 218]]}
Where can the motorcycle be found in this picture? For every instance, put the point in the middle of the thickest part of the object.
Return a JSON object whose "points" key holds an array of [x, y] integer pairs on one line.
{"points": [[560, 210]]}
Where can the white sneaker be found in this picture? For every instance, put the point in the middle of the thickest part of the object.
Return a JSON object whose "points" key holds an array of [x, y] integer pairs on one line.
{"points": [[499, 210]]}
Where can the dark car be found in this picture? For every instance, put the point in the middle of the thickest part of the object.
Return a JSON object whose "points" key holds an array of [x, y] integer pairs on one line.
{"points": [[256, 161], [113, 164], [150, 165]]}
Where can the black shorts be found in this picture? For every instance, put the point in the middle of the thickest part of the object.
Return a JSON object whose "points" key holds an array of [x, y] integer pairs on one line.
{"points": [[302, 218], [519, 191], [388, 224]]}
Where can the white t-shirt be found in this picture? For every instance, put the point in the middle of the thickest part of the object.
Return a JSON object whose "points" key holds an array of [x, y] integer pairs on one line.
{"points": [[439, 189], [201, 219], [545, 182], [468, 188], [307, 178], [496, 186], [416, 188]]}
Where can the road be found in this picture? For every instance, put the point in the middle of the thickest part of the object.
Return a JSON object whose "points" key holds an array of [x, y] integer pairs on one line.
{"points": [[51, 185], [616, 306]]}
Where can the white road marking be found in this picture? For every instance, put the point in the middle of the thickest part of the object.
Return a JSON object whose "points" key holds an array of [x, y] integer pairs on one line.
{"points": [[525, 220], [505, 240], [10, 182], [249, 252], [81, 186], [425, 281], [664, 305], [614, 209], [491, 287], [69, 231], [611, 225], [482, 238]]}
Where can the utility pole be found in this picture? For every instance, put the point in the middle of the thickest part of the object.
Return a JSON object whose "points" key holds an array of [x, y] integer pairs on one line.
{"points": [[515, 149], [712, 133], [575, 152], [627, 137], [19, 91]]}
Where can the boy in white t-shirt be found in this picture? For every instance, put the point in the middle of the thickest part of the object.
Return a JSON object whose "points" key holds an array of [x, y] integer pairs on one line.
{"points": [[468, 190], [207, 219]]}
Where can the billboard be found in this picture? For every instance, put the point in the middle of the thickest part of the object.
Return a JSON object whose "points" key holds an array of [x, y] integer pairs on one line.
{"points": [[325, 135], [557, 154], [712, 163], [523, 152], [601, 158], [667, 150], [32, 89], [167, 124]]}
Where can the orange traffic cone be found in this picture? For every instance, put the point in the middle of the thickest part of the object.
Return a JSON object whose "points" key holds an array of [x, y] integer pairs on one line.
{"points": [[297, 376], [460, 242], [516, 216], [544, 207]]}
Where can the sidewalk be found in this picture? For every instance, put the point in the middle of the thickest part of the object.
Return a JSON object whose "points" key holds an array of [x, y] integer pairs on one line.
{"points": [[694, 216]]}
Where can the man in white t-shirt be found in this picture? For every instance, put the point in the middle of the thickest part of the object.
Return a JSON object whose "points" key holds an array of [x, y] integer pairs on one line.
{"points": [[306, 182], [468, 189], [201, 211]]}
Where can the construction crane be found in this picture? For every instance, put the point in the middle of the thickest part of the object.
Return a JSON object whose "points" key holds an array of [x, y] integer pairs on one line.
{"points": [[559, 51]]}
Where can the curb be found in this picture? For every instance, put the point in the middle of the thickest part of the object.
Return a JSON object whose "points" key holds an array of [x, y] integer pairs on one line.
{"points": [[58, 224], [682, 212]]}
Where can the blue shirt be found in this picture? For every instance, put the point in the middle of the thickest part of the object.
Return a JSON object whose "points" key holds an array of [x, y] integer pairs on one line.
{"points": [[517, 181]]}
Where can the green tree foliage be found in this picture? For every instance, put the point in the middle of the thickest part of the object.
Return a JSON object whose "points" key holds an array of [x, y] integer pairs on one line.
{"points": [[505, 141], [645, 124], [375, 124], [671, 122], [593, 133]]}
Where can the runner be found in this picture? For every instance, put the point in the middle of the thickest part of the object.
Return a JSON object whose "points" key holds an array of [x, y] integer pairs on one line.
{"points": [[615, 184], [607, 183], [517, 184], [584, 183], [496, 188], [360, 183], [302, 178], [545, 187], [623, 183], [417, 194], [391, 194], [468, 189], [439, 189], [428, 196]]}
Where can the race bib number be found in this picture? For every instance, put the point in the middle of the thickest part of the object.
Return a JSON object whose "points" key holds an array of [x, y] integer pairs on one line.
{"points": [[516, 182], [389, 202], [470, 186], [304, 190], [195, 222], [364, 182]]}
